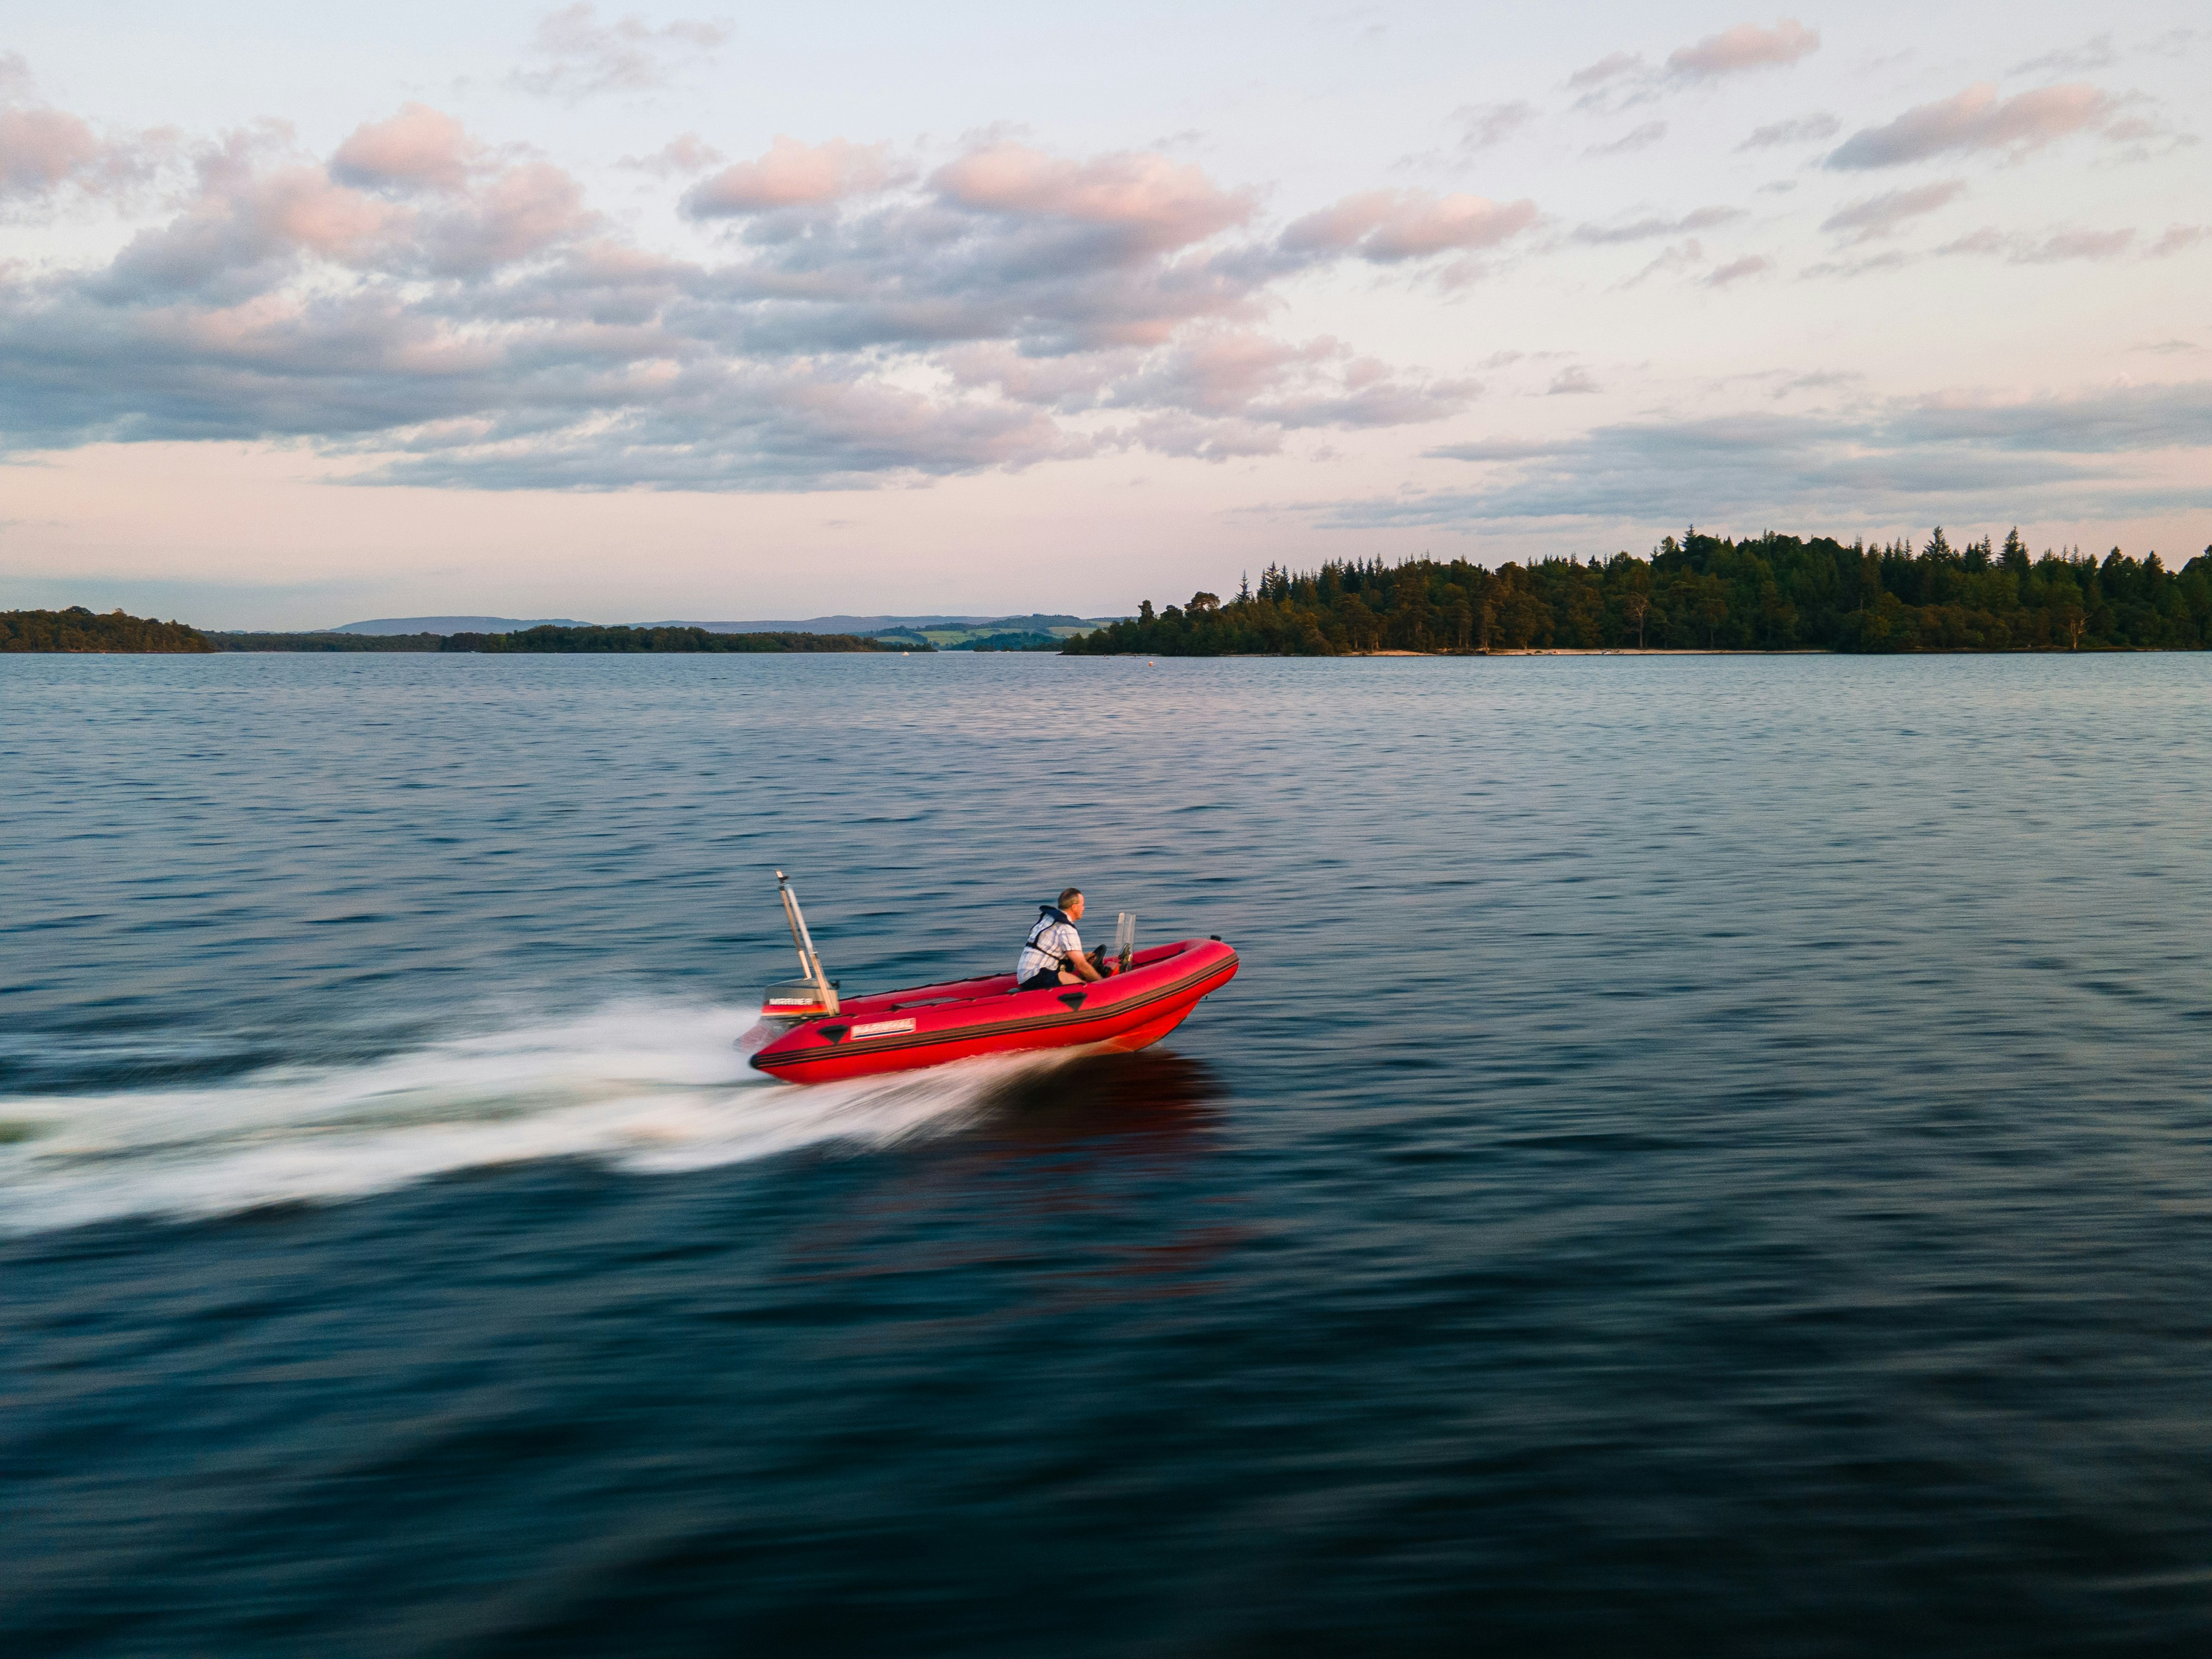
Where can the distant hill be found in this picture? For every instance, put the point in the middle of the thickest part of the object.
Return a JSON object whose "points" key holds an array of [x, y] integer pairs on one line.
{"points": [[1038, 622], [678, 639], [450, 625], [825, 624]]}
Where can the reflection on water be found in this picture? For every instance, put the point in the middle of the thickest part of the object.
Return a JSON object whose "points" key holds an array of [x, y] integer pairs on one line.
{"points": [[1703, 1155], [1133, 1104]]}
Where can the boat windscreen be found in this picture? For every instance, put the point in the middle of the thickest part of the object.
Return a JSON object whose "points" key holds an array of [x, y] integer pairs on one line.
{"points": [[1125, 939]]}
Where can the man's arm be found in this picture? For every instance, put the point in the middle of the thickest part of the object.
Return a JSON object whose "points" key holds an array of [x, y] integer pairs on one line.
{"points": [[1078, 964]]}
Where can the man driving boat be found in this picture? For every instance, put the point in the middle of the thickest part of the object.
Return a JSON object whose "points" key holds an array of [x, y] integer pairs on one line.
{"points": [[1053, 955]]}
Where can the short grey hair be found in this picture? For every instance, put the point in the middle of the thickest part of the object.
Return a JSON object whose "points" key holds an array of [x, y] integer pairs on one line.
{"points": [[1069, 896]]}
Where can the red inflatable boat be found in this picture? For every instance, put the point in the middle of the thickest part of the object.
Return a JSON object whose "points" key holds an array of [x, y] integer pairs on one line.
{"points": [[822, 1039]]}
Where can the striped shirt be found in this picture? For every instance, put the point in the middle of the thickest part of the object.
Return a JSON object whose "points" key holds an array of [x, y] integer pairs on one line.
{"points": [[1052, 942]]}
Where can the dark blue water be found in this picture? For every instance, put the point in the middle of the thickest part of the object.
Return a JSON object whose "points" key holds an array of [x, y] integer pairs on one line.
{"points": [[1705, 1155]]}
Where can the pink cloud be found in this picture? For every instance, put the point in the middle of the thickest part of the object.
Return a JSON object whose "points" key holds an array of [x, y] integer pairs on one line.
{"points": [[791, 174], [1166, 203], [1977, 119], [951, 326], [1221, 373], [1745, 46], [41, 147], [419, 147], [300, 206], [259, 210], [1387, 226]]}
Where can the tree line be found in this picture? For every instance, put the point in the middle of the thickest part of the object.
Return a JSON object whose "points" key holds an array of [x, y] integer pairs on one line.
{"points": [[1700, 593], [77, 630], [324, 641]]}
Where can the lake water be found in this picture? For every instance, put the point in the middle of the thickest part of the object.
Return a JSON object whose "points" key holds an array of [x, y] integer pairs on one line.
{"points": [[1704, 1154]]}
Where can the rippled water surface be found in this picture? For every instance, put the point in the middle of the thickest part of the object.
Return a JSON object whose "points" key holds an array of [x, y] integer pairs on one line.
{"points": [[1706, 1155]]}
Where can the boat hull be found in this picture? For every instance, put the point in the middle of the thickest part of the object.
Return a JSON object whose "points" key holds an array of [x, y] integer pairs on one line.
{"points": [[936, 1025]]}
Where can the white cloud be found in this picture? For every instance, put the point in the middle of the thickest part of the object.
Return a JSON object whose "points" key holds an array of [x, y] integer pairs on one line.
{"points": [[574, 56], [1638, 230], [2096, 52], [1613, 67], [686, 153], [1797, 130], [2178, 239], [1751, 265], [1483, 125], [2053, 247], [1642, 136], [1874, 216]]}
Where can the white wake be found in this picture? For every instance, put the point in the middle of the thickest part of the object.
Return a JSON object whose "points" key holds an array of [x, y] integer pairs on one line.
{"points": [[649, 1086]]}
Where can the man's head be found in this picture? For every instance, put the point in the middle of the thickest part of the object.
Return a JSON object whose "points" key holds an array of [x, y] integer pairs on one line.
{"points": [[1071, 903]]}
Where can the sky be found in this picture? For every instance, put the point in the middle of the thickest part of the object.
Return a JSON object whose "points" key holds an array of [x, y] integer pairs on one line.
{"points": [[310, 314]]}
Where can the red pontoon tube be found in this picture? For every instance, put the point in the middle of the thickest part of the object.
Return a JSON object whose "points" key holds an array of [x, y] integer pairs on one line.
{"points": [[823, 1039]]}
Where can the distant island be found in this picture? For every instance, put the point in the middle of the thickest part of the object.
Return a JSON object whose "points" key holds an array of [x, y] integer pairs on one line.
{"points": [[589, 639], [582, 637], [438, 627], [1037, 631], [77, 630], [1700, 593]]}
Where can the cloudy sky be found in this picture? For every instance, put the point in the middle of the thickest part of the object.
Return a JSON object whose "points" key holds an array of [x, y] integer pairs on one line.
{"points": [[311, 314]]}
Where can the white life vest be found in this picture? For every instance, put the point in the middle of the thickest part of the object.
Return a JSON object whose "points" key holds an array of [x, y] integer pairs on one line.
{"points": [[1052, 943]]}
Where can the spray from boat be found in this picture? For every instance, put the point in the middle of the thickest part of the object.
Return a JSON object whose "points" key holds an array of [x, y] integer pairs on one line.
{"points": [[643, 1084]]}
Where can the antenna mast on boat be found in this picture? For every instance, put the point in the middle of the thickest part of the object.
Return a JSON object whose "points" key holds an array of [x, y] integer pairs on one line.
{"points": [[809, 963]]}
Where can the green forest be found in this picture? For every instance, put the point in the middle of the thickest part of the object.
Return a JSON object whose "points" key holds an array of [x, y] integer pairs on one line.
{"points": [[79, 629], [1701, 592], [321, 641]]}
